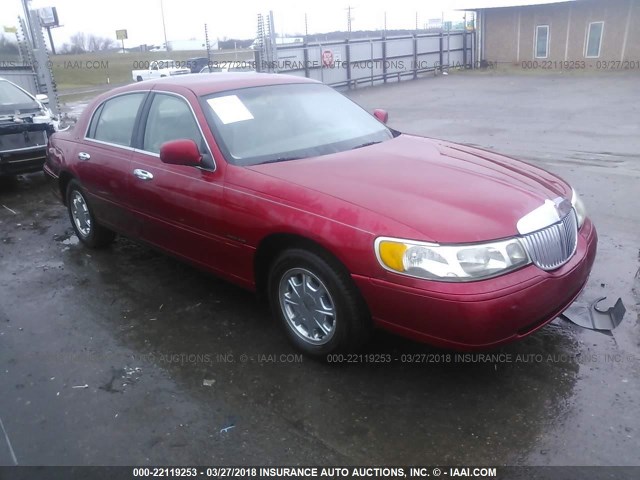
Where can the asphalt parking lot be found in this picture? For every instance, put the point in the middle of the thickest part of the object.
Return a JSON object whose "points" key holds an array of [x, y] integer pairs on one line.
{"points": [[125, 356]]}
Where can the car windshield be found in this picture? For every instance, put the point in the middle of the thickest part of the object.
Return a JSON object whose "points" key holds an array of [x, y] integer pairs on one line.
{"points": [[286, 122], [13, 98]]}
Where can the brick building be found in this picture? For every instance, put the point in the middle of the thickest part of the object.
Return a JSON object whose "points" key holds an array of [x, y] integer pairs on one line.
{"points": [[595, 32]]}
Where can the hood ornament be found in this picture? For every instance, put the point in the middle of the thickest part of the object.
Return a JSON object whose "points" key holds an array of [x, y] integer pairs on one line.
{"points": [[550, 212], [563, 206]]}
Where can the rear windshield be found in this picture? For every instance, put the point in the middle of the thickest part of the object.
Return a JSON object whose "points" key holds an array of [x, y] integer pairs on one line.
{"points": [[13, 98]]}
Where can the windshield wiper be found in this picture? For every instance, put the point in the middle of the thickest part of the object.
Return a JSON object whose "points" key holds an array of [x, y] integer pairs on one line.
{"points": [[279, 159], [366, 144]]}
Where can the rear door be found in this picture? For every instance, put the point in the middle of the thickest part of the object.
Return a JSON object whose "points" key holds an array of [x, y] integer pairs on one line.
{"points": [[104, 157]]}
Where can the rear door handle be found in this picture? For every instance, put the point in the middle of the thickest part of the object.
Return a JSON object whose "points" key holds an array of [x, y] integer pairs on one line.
{"points": [[143, 174], [84, 156]]}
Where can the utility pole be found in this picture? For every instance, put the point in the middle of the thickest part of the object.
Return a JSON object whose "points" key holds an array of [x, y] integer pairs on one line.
{"points": [[385, 25], [27, 18], [349, 20], [53, 47], [164, 28], [206, 40], [416, 21], [306, 28]]}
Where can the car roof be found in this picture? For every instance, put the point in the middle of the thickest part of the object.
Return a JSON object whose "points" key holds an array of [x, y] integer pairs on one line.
{"points": [[205, 84]]}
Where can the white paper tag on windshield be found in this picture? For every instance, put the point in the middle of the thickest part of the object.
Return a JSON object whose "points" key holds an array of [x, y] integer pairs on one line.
{"points": [[230, 109]]}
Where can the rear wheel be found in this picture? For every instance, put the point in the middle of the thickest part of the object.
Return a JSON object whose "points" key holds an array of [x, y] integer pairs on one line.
{"points": [[87, 229], [317, 303]]}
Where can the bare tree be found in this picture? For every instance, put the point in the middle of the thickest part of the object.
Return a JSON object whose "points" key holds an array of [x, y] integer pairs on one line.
{"points": [[78, 43], [7, 47], [107, 43], [93, 43], [81, 43]]}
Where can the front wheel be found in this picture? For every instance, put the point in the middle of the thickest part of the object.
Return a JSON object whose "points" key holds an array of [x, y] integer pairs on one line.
{"points": [[317, 303], [84, 223]]}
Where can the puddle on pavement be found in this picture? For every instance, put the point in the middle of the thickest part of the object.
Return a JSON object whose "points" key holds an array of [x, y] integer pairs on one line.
{"points": [[68, 239], [72, 240]]}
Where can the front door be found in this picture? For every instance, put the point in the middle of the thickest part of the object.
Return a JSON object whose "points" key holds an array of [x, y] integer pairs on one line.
{"points": [[179, 207]]}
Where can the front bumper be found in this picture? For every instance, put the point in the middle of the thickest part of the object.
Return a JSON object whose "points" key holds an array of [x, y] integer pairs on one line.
{"points": [[23, 147], [484, 314]]}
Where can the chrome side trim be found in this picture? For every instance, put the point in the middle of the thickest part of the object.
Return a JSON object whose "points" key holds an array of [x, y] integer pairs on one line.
{"points": [[26, 149], [102, 142]]}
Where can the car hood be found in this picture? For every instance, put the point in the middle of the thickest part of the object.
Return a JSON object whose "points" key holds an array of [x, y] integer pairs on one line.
{"points": [[442, 191]]}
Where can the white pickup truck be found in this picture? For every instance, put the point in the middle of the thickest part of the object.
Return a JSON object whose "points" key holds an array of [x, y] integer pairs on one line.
{"points": [[158, 69]]}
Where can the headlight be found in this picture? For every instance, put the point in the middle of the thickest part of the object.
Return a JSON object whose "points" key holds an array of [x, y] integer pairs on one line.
{"points": [[450, 263], [579, 207]]}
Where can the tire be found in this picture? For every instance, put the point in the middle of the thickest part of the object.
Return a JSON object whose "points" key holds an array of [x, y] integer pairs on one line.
{"points": [[138, 78], [301, 284], [89, 232]]}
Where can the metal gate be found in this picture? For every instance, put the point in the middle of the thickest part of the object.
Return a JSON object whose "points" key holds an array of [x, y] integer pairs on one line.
{"points": [[373, 61]]}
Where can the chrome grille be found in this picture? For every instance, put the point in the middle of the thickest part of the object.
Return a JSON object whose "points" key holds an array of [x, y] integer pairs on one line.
{"points": [[554, 245]]}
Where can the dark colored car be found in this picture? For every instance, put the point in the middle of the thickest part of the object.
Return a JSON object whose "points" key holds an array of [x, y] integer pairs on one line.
{"points": [[196, 64], [25, 126], [284, 186]]}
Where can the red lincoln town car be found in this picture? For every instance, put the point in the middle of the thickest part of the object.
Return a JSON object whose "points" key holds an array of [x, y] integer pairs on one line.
{"points": [[284, 186]]}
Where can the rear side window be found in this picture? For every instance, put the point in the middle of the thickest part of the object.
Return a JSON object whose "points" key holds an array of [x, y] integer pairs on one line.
{"points": [[113, 122]]}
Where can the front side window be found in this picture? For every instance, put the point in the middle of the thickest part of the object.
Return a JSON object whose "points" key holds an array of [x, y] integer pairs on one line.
{"points": [[170, 118], [542, 41], [116, 119], [284, 122], [594, 39]]}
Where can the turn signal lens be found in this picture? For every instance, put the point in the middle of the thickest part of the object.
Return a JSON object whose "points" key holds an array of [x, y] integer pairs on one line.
{"points": [[392, 255]]}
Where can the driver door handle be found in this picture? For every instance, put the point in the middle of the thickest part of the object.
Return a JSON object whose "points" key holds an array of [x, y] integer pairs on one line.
{"points": [[143, 174], [84, 156]]}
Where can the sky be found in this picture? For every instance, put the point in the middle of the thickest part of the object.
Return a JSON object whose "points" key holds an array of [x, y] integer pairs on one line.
{"points": [[185, 19]]}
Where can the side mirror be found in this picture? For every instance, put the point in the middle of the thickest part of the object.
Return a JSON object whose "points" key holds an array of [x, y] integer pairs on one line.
{"points": [[42, 98], [180, 152], [381, 115]]}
